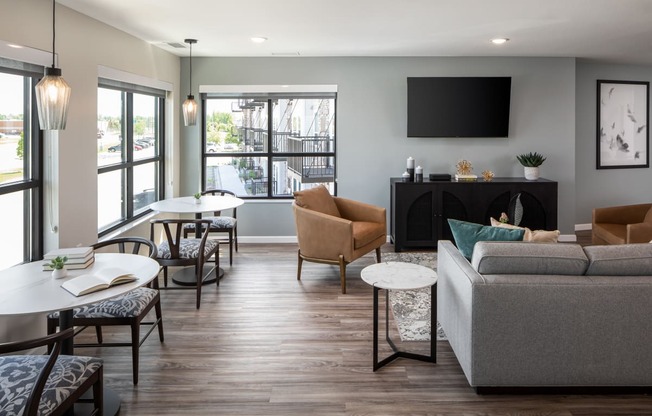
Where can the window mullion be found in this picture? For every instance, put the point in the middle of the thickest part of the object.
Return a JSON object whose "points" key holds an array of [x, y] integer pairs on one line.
{"points": [[129, 149]]}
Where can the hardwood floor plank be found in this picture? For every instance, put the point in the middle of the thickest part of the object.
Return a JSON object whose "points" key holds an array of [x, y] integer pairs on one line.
{"points": [[264, 343]]}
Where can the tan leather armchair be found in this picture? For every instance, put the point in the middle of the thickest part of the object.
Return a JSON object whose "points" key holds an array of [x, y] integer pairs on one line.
{"points": [[625, 224], [336, 230]]}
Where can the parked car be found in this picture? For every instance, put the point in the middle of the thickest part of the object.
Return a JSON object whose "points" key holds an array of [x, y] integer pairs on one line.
{"points": [[142, 142], [118, 147], [211, 147]]}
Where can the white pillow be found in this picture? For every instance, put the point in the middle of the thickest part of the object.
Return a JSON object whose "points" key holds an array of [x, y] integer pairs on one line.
{"points": [[537, 236]]}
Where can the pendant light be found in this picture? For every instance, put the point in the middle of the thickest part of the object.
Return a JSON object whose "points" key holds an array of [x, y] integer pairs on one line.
{"points": [[52, 92], [190, 105]]}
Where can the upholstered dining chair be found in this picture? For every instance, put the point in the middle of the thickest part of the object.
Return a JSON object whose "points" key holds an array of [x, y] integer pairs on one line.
{"points": [[177, 251], [335, 230], [220, 223], [128, 309], [47, 385]]}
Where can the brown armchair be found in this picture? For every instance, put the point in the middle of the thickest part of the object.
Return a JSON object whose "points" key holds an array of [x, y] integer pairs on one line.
{"points": [[625, 224], [335, 230]]}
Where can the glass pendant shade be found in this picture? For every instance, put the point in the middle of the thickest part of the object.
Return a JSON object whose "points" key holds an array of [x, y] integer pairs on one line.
{"points": [[190, 111], [52, 98]]}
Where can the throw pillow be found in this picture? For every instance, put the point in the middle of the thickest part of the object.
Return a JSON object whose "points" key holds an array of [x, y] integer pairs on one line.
{"points": [[317, 199], [466, 234], [536, 236]]}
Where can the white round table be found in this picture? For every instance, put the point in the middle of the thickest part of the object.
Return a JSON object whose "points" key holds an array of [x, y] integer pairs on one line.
{"points": [[27, 289], [401, 276], [188, 205]]}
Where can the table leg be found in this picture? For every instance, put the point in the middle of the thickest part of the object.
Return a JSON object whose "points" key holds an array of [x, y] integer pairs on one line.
{"points": [[432, 358]]}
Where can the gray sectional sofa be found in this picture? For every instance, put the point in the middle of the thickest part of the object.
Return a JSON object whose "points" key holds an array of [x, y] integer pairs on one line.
{"points": [[548, 315]]}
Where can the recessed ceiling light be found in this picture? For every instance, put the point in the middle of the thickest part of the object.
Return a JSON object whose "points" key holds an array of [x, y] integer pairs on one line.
{"points": [[11, 45], [499, 41], [258, 39]]}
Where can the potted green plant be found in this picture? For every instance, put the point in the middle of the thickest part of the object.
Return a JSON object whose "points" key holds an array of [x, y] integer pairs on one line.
{"points": [[531, 162], [197, 198], [58, 265]]}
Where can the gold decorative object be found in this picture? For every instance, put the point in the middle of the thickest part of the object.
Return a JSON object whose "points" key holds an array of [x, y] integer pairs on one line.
{"points": [[464, 167], [487, 175]]}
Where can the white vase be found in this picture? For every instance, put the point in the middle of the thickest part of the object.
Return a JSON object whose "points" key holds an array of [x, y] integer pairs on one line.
{"points": [[59, 273], [531, 173], [197, 200]]}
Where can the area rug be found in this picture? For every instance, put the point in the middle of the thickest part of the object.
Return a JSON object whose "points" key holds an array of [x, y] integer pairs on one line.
{"points": [[411, 308]]}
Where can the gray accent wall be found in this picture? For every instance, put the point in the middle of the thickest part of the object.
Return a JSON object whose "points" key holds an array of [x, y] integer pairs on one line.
{"points": [[372, 145], [603, 187]]}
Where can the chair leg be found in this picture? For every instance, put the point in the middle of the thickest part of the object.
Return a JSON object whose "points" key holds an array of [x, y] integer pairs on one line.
{"points": [[135, 346], [378, 255], [217, 268], [199, 273], [159, 318], [98, 392], [235, 232], [52, 328], [343, 274], [165, 276], [231, 248], [98, 332], [300, 263]]}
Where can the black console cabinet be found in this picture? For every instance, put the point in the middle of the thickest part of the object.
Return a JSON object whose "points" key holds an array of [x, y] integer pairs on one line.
{"points": [[419, 210]]}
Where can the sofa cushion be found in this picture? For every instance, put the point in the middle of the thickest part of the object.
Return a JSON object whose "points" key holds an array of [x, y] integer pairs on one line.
{"points": [[317, 199], [365, 232], [537, 236], [466, 234], [619, 260], [529, 258], [610, 233]]}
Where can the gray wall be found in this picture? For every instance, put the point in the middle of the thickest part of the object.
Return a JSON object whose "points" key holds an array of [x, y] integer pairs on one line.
{"points": [[371, 124], [604, 187]]}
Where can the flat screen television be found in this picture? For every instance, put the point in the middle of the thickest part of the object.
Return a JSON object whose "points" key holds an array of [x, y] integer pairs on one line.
{"points": [[458, 106]]}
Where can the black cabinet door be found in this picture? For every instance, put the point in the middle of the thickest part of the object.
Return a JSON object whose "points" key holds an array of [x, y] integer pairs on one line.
{"points": [[414, 223]]}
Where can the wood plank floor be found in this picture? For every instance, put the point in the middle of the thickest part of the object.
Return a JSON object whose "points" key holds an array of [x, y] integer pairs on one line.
{"points": [[265, 344]]}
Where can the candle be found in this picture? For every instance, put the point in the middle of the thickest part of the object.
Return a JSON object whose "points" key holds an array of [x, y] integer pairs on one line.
{"points": [[418, 174], [410, 163], [406, 177]]}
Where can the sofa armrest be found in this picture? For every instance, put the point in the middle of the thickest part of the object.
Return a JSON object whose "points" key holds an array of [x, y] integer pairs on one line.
{"points": [[359, 211], [639, 233], [627, 214], [322, 236]]}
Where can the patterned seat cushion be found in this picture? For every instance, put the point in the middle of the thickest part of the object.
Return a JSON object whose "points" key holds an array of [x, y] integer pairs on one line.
{"points": [[217, 222], [18, 373], [189, 248], [128, 305]]}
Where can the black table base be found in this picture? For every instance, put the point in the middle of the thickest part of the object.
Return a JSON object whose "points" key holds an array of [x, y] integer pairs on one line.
{"points": [[187, 277], [432, 358]]}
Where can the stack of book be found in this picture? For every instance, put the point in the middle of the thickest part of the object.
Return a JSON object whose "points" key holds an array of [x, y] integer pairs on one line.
{"points": [[78, 257], [470, 177]]}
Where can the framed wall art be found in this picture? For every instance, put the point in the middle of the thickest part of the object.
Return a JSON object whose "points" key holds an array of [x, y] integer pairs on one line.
{"points": [[622, 140]]}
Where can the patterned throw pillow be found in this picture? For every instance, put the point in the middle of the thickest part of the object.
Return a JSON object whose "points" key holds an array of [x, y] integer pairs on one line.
{"points": [[466, 234], [536, 236]]}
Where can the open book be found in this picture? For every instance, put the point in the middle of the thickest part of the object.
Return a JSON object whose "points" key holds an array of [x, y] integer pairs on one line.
{"points": [[99, 280]]}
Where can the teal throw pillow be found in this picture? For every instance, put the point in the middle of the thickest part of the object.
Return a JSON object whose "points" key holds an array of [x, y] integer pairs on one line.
{"points": [[466, 234]]}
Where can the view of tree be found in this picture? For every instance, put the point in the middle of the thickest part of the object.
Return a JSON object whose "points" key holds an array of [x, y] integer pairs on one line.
{"points": [[20, 146], [220, 126]]}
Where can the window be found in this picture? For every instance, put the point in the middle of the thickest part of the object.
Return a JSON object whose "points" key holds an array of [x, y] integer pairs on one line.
{"points": [[21, 205], [269, 146], [130, 147]]}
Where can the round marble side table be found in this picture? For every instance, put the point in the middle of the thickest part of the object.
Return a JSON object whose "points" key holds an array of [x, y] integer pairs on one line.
{"points": [[401, 276]]}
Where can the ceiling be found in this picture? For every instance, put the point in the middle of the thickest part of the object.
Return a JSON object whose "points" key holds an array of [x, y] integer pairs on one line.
{"points": [[607, 30]]}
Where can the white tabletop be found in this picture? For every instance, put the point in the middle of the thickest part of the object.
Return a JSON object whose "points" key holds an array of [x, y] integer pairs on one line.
{"points": [[26, 288], [187, 204], [398, 276]]}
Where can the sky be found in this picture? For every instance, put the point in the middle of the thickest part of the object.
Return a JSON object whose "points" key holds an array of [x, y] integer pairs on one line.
{"points": [[11, 94]]}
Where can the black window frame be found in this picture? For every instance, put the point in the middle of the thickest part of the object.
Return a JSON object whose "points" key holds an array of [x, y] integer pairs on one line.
{"points": [[127, 165], [270, 154], [33, 166]]}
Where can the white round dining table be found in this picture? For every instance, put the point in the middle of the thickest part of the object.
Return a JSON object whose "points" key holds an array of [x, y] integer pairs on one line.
{"points": [[27, 289], [188, 205]]}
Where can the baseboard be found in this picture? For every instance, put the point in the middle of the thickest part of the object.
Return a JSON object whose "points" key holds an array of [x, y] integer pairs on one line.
{"points": [[567, 238], [268, 239]]}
